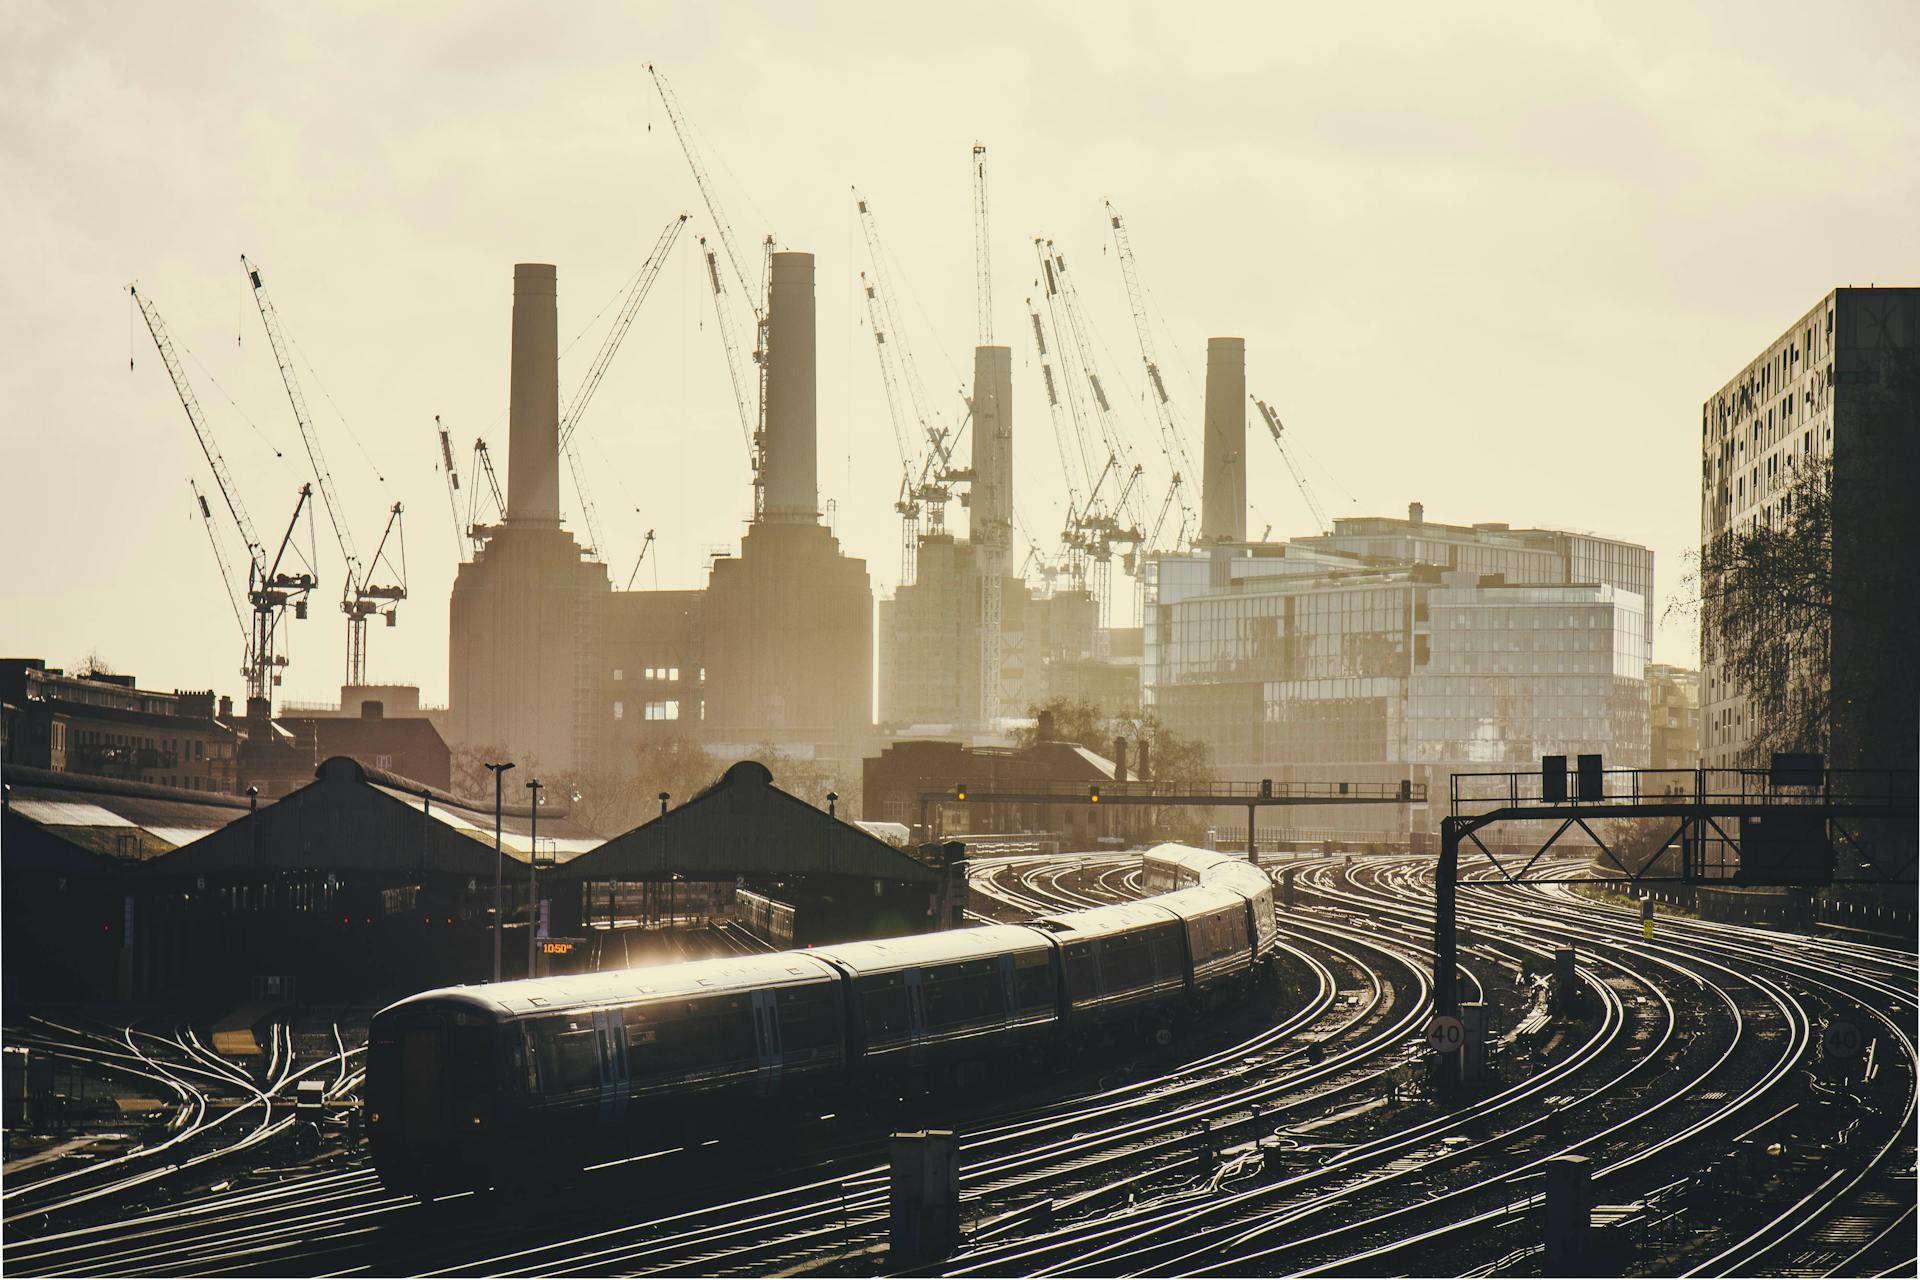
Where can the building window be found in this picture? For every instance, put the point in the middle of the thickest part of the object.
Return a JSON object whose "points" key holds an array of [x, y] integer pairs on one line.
{"points": [[619, 711], [619, 674], [667, 710]]}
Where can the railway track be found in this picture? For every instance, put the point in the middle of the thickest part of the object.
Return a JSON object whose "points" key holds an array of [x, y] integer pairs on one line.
{"points": [[223, 1112], [1274, 1152]]}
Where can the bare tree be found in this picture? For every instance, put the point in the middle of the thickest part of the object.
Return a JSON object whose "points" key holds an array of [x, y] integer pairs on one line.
{"points": [[1765, 595]]}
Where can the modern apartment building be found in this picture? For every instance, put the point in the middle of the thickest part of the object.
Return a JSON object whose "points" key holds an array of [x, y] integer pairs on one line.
{"points": [[1838, 384]]}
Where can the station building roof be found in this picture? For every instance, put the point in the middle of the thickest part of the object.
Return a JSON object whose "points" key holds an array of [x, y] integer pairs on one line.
{"points": [[355, 819], [743, 825], [105, 817]]}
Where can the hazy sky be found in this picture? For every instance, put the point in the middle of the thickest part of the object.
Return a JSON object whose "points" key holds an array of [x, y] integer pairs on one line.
{"points": [[1491, 258]]}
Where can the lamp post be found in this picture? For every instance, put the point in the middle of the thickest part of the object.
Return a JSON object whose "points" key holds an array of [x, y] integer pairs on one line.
{"points": [[499, 917], [533, 871]]}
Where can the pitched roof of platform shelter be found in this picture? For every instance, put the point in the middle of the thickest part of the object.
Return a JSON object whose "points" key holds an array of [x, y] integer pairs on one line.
{"points": [[354, 819], [743, 825], [117, 817]]}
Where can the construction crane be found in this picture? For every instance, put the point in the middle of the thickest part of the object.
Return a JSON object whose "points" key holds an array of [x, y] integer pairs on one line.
{"points": [[270, 591], [641, 558], [929, 473], [736, 373], [1070, 560], [1272, 419], [907, 503], [219, 557], [1081, 349], [477, 526], [754, 292], [460, 533], [590, 383], [1097, 528], [1172, 437], [360, 597]]}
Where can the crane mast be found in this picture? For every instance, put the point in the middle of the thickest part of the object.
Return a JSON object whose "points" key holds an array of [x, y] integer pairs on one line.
{"points": [[219, 557], [453, 488], [209, 449], [640, 559], [1274, 426], [483, 463], [269, 591], [360, 598], [736, 375], [1172, 438], [756, 295], [1070, 557], [583, 394], [629, 308], [932, 457], [908, 502]]}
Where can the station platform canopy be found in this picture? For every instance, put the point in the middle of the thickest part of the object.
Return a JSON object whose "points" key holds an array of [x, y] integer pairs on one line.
{"points": [[64, 822], [357, 820], [744, 826]]}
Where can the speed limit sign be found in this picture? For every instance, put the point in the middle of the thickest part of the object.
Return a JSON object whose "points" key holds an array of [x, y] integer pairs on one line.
{"points": [[1445, 1034], [1841, 1040]]}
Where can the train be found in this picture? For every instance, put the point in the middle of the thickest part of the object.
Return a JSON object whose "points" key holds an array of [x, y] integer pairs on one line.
{"points": [[512, 1084], [767, 919]]}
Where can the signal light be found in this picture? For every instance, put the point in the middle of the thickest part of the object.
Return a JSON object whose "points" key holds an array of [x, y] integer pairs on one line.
{"points": [[1093, 794], [959, 793], [1553, 779], [1591, 787]]}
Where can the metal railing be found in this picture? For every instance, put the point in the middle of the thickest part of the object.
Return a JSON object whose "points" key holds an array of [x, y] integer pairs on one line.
{"points": [[1226, 792], [1475, 793]]}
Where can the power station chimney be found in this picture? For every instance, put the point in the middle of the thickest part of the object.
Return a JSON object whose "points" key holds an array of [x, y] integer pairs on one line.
{"points": [[1223, 495], [533, 413], [791, 450], [990, 505]]}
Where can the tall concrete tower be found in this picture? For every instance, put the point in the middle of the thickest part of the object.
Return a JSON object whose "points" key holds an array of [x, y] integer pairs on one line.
{"points": [[990, 507], [533, 412], [788, 623], [990, 515], [1223, 496], [791, 448], [523, 616]]}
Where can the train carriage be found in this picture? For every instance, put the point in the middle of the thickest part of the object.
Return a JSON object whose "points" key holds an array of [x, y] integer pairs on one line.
{"points": [[1219, 934], [1116, 960], [935, 996], [459, 1080]]}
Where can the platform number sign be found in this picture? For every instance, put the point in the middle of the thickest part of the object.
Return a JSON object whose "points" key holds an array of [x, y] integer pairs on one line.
{"points": [[1841, 1039], [1445, 1034]]}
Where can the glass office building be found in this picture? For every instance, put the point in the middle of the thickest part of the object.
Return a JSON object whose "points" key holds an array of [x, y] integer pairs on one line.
{"points": [[1395, 650]]}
